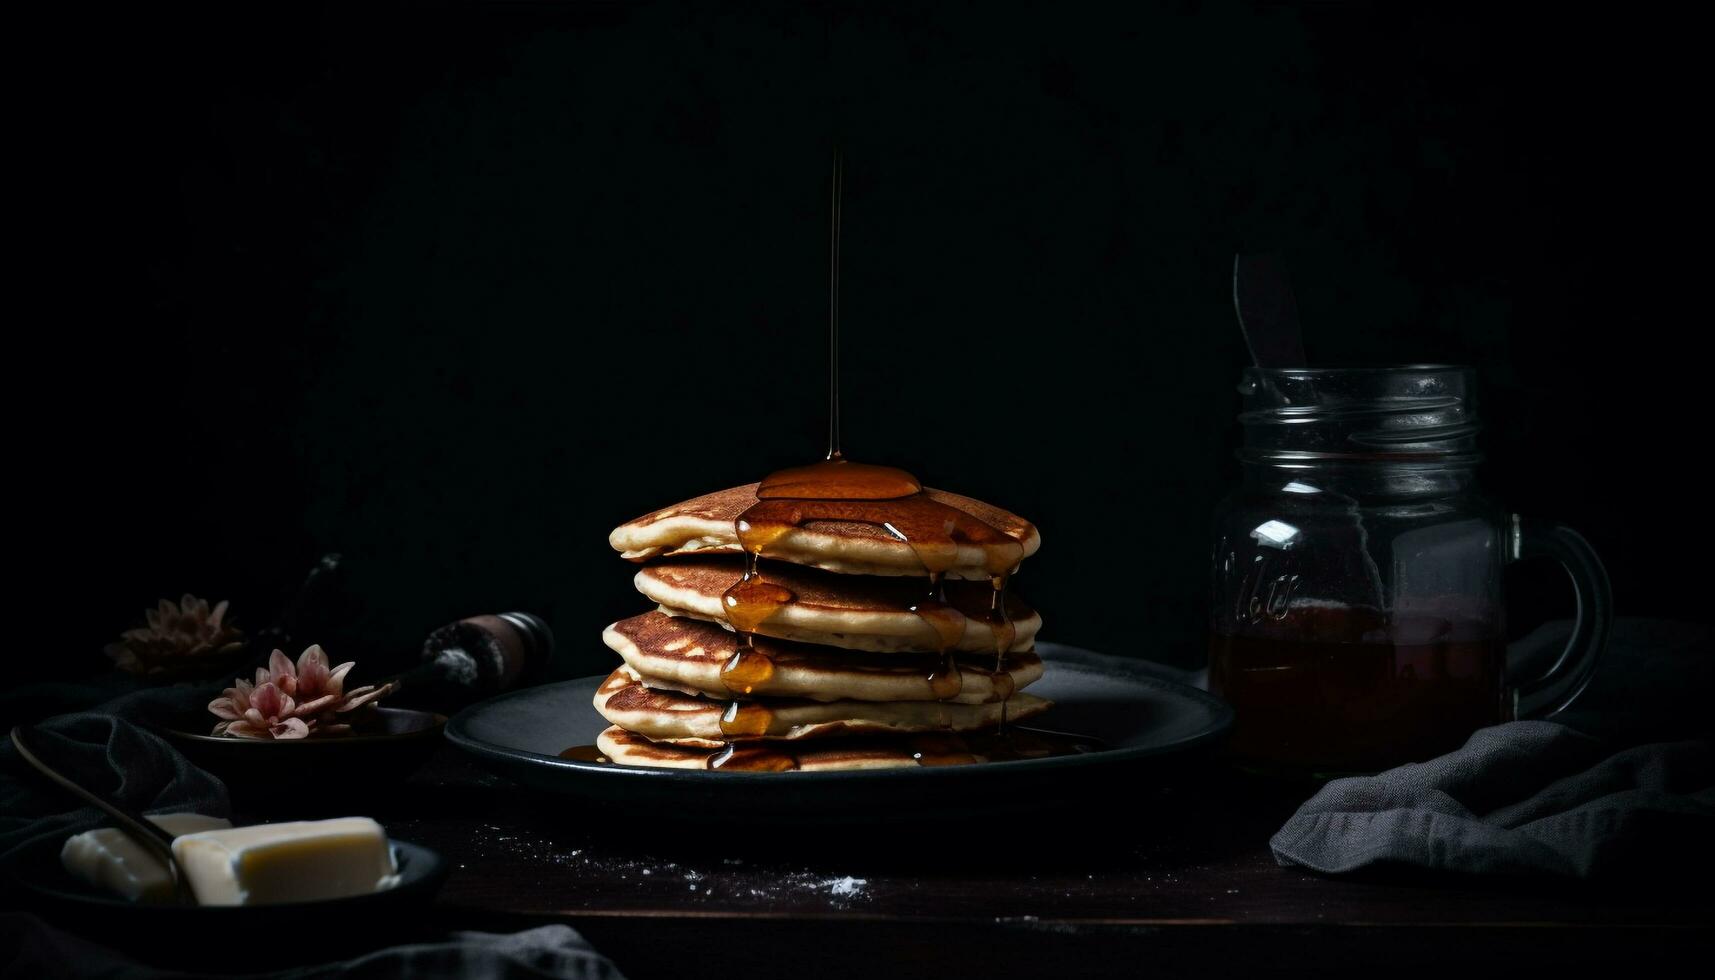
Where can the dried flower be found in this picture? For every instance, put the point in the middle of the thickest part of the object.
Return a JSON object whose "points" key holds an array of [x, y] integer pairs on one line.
{"points": [[258, 712], [295, 700], [177, 639]]}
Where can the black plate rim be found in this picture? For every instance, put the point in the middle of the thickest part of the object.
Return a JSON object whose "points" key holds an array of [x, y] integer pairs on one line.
{"points": [[422, 867], [1065, 657]]}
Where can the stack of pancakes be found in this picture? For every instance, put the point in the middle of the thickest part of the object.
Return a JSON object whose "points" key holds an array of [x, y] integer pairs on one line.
{"points": [[831, 646]]}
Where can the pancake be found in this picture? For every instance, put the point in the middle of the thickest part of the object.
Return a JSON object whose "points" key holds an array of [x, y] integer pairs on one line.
{"points": [[852, 612], [685, 654], [626, 699], [705, 523], [626, 749], [860, 752]]}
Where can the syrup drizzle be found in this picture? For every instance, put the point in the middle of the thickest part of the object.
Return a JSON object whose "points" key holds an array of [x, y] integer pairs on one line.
{"points": [[747, 670], [882, 496], [750, 602], [752, 758], [946, 680], [753, 600], [947, 622], [836, 187], [745, 719]]}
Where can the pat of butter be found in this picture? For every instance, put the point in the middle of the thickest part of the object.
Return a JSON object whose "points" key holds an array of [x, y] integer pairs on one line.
{"points": [[112, 860], [304, 861]]}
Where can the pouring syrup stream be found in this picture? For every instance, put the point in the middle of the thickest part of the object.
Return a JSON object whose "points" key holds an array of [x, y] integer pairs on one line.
{"points": [[835, 193]]}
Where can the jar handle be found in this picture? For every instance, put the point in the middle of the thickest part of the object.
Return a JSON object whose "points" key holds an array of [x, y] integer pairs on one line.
{"points": [[1561, 684]]}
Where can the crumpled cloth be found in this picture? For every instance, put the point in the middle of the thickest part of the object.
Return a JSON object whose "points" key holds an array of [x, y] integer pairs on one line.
{"points": [[1521, 798], [1573, 797], [552, 951]]}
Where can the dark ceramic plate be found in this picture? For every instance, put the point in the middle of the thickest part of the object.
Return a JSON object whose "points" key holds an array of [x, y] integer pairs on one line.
{"points": [[216, 936], [1147, 724], [269, 771]]}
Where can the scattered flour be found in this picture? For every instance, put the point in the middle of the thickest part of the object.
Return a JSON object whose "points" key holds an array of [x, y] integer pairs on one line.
{"points": [[844, 887]]}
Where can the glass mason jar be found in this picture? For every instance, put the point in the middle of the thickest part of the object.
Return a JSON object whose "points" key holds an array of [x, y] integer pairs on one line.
{"points": [[1357, 618]]}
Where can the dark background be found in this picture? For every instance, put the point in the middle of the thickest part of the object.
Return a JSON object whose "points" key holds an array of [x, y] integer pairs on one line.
{"points": [[453, 289]]}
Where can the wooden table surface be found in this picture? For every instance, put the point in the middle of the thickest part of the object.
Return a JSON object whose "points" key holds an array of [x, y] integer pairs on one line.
{"points": [[1176, 878]]}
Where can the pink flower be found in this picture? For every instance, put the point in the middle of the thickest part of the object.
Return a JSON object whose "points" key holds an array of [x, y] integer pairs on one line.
{"points": [[293, 700], [263, 712]]}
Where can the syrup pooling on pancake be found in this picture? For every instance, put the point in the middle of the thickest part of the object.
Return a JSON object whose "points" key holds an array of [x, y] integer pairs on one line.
{"points": [[705, 524], [871, 496], [845, 481]]}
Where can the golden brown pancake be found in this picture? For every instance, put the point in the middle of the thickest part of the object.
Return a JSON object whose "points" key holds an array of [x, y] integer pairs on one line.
{"points": [[849, 611], [626, 749], [685, 654], [625, 699], [851, 548], [874, 752]]}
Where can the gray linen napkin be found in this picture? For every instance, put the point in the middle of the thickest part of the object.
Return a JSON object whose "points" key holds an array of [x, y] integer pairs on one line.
{"points": [[132, 765], [1524, 797], [1534, 797]]}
